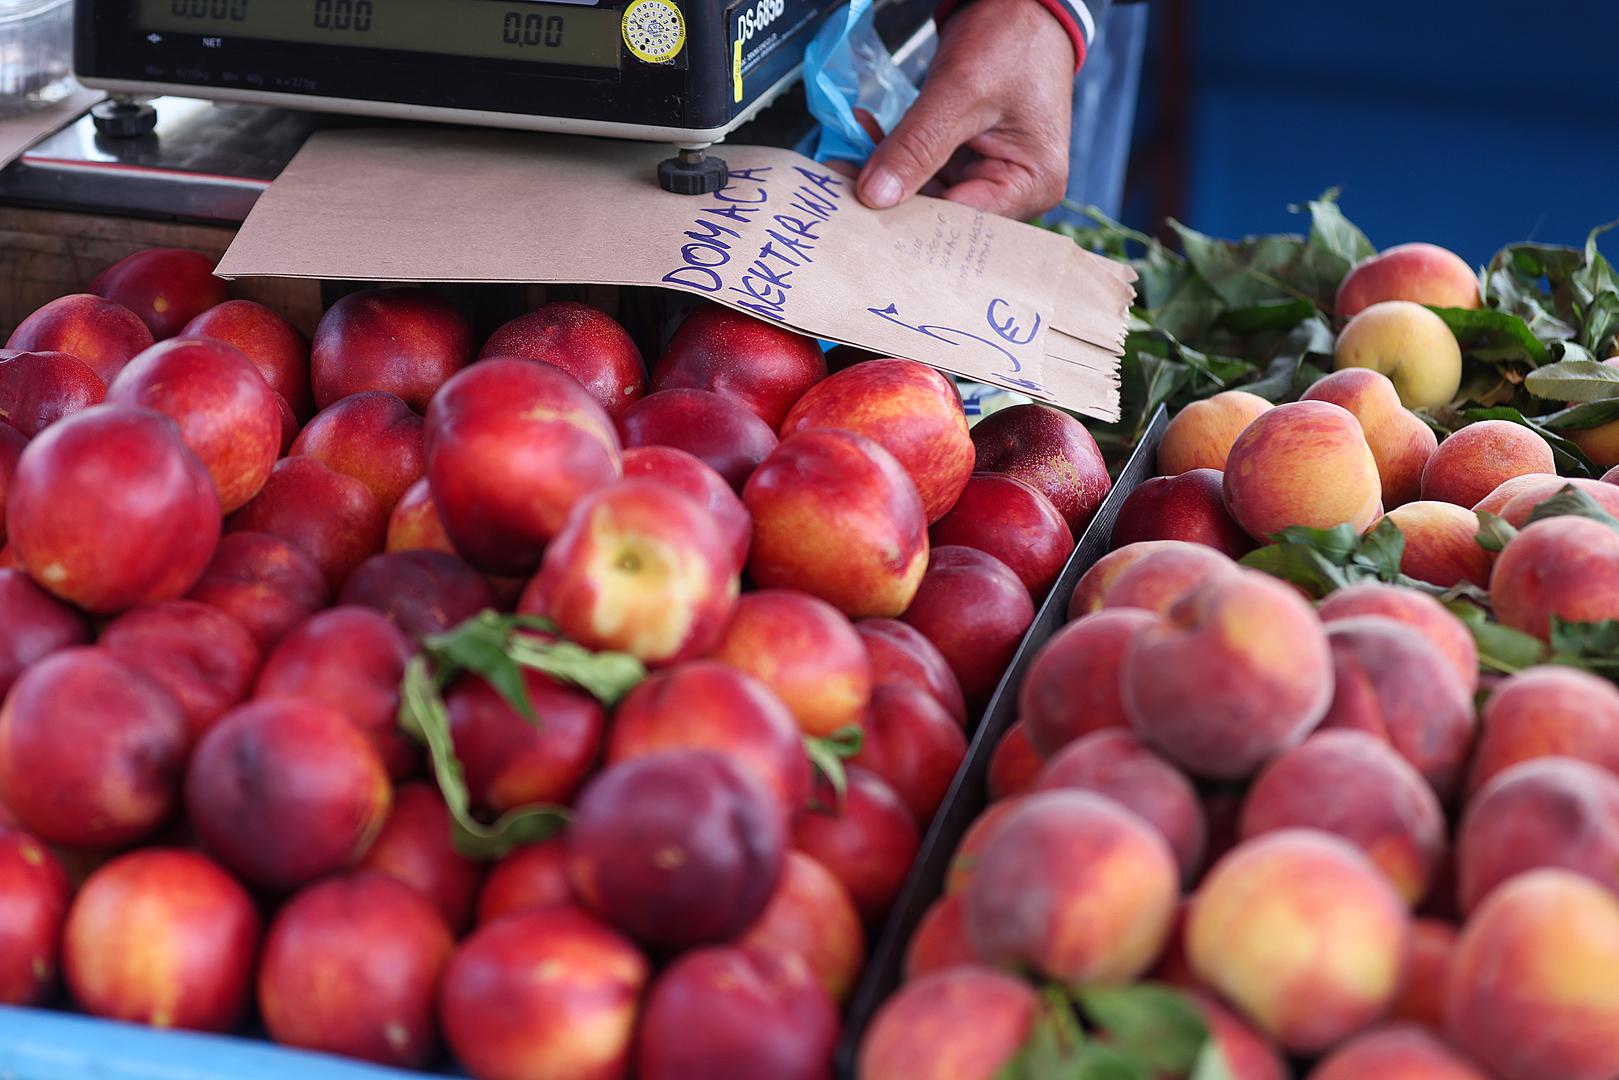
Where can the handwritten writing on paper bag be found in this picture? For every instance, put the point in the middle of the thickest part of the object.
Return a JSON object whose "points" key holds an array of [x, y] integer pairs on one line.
{"points": [[979, 296]]}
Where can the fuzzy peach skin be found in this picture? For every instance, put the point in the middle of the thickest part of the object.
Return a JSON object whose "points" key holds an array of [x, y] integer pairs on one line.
{"points": [[1517, 510], [1532, 992], [1409, 344], [1543, 711], [1395, 1052], [1401, 443], [1421, 273], [1300, 932], [1160, 579], [940, 939], [1507, 490], [1094, 583], [1201, 434], [1563, 566], [1354, 785], [1422, 1001], [1480, 457], [1415, 609], [962, 1023], [1238, 672], [1304, 463], [1072, 686], [1440, 544]]}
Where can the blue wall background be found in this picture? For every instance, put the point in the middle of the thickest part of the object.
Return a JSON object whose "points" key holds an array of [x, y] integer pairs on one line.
{"points": [[1468, 125]]}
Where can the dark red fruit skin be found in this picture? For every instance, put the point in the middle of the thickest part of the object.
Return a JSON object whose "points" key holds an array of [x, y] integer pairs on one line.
{"points": [[1012, 521], [677, 849], [1188, 507], [101, 334], [1051, 452], [737, 1013], [868, 846], [533, 878], [374, 437], [762, 366], [421, 592], [200, 655], [276, 348], [376, 938], [1014, 765], [975, 611], [406, 341], [33, 624], [264, 583], [33, 903], [12, 443], [717, 431], [900, 653], [585, 342], [913, 743], [510, 762], [415, 847], [165, 287], [38, 389]]}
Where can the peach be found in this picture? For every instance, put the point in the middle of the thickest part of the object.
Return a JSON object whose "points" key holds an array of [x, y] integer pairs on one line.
{"points": [[406, 341], [1074, 887], [1392, 683], [329, 517], [1115, 763], [511, 447], [910, 740], [90, 750], [908, 409], [352, 660], [834, 515], [1201, 435], [1440, 544], [373, 437], [677, 849], [1014, 765], [940, 940], [704, 705], [1245, 1054], [1094, 583], [696, 480], [810, 917], [415, 847], [1422, 1001], [285, 790], [532, 878], [1005, 517], [162, 937], [1398, 1052], [1353, 785], [1557, 567], [578, 1023], [962, 1023], [975, 610], [1051, 452], [1415, 609], [101, 334], [1401, 443], [585, 342], [39, 388], [1409, 344], [805, 652], [1527, 500], [264, 583], [112, 471], [1551, 811], [415, 525], [280, 352], [510, 762], [1418, 272], [1477, 459], [716, 430], [1072, 686], [964, 860], [1189, 506], [1300, 932], [1161, 579], [639, 568], [1510, 489], [165, 287], [1531, 992], [351, 966], [764, 367], [33, 904], [900, 655], [868, 843], [1269, 680], [33, 624], [1303, 463], [1543, 711], [421, 592], [200, 655]]}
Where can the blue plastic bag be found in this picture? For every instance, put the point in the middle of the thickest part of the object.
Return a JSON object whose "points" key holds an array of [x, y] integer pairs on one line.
{"points": [[847, 66]]}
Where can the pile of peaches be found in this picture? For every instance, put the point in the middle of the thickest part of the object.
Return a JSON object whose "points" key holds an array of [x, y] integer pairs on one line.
{"points": [[226, 543], [1360, 857]]}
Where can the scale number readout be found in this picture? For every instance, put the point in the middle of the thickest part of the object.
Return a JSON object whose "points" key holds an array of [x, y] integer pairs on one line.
{"points": [[234, 10]]}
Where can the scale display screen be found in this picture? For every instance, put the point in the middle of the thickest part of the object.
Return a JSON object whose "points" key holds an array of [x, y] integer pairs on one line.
{"points": [[493, 29]]}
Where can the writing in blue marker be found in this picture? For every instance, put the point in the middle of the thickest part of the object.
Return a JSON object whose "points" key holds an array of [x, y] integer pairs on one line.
{"points": [[1002, 322]]}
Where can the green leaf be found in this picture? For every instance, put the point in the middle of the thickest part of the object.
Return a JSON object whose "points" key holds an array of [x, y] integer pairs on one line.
{"points": [[1500, 648], [1211, 1064], [1574, 380], [1311, 339], [606, 676], [1267, 315], [1333, 232], [1156, 1024], [1494, 533], [1572, 502], [826, 760], [1300, 565], [480, 645], [1379, 551], [1337, 543], [1494, 336], [422, 715], [1097, 1061], [1600, 322], [1596, 640], [1246, 272], [1587, 414], [1051, 1050]]}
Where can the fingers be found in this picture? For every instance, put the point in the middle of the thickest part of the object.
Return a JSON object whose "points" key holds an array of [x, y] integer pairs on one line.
{"points": [[1011, 189], [945, 115]]}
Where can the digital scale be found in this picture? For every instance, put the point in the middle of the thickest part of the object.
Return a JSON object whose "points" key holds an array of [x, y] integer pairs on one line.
{"points": [[685, 72]]}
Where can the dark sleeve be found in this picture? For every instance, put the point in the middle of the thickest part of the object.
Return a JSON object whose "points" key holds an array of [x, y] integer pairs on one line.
{"points": [[1079, 17]]}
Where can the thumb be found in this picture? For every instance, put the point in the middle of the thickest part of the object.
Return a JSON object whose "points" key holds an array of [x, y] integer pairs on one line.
{"points": [[939, 121]]}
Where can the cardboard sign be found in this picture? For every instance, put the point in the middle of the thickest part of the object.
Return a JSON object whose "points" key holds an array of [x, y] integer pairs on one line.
{"points": [[976, 295], [18, 133]]}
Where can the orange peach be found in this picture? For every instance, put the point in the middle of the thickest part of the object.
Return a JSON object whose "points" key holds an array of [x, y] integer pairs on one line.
{"points": [[1245, 1054], [1517, 510], [962, 1023], [101, 334], [1440, 544], [1532, 992], [1419, 272], [811, 917], [1160, 579], [1071, 688], [940, 940], [1543, 711], [415, 525], [1409, 344], [1396, 1052], [805, 652], [1201, 435], [1507, 490], [373, 437], [1401, 443], [1557, 567], [1422, 1001], [1415, 609], [1094, 583], [1300, 932], [1479, 458], [1304, 463], [964, 860]]}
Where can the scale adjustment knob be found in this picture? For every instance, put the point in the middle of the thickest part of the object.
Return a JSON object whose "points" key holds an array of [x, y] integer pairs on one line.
{"points": [[123, 119], [692, 172]]}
